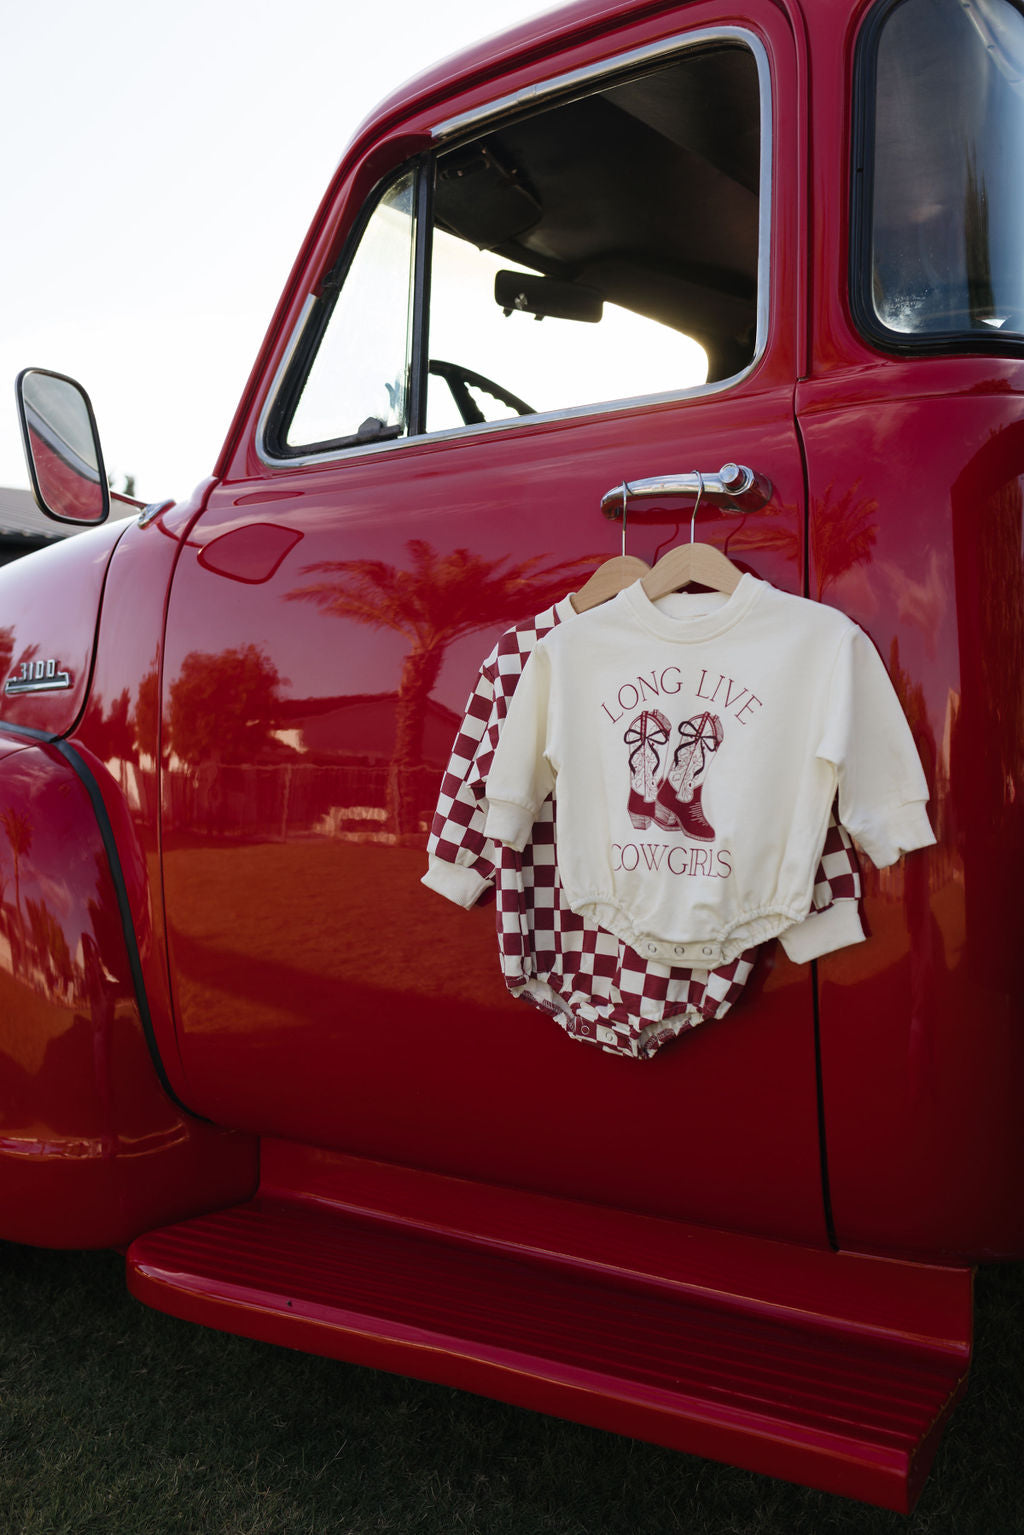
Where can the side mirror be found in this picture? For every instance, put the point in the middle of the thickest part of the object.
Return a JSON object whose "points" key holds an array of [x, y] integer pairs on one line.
{"points": [[62, 446]]}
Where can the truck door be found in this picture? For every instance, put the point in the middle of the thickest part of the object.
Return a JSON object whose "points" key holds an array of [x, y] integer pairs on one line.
{"points": [[572, 264]]}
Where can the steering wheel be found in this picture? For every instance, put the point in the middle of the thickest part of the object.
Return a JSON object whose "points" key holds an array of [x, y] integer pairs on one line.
{"points": [[461, 380]]}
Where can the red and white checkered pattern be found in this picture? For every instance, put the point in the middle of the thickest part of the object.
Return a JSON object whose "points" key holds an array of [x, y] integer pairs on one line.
{"points": [[456, 832], [596, 986]]}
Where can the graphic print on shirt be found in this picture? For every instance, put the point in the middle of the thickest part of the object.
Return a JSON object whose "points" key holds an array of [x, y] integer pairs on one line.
{"points": [[678, 804], [671, 798], [646, 735]]}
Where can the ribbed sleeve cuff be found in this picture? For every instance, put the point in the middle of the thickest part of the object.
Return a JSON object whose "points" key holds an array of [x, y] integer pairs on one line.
{"points": [[823, 931], [905, 828], [508, 823], [455, 882]]}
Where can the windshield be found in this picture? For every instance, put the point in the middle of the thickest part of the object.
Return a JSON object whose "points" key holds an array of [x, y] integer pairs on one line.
{"points": [[944, 199]]}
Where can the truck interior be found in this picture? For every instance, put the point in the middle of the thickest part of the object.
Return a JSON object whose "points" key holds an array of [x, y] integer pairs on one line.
{"points": [[645, 193], [603, 248]]}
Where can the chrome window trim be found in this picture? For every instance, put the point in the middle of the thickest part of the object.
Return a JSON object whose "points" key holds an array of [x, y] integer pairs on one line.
{"points": [[573, 80], [299, 327], [510, 423], [533, 96]]}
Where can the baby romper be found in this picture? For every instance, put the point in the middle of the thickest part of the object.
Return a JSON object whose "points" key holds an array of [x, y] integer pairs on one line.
{"points": [[597, 988], [698, 745]]}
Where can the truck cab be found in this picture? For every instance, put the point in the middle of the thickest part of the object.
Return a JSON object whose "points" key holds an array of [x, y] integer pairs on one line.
{"points": [[634, 273]]}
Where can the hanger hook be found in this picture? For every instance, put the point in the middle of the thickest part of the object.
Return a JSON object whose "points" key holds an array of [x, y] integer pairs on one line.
{"points": [[700, 495], [625, 513]]}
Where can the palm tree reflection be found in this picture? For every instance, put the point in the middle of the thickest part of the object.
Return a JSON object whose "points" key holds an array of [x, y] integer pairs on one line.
{"points": [[437, 599], [843, 533]]}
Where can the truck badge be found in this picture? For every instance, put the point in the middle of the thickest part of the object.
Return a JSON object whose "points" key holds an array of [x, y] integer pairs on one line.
{"points": [[37, 677]]}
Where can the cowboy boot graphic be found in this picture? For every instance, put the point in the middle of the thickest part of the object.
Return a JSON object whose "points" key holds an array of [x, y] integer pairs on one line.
{"points": [[678, 806], [646, 734]]}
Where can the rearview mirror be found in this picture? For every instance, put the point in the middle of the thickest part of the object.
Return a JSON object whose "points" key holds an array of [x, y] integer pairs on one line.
{"points": [[542, 296], [62, 446]]}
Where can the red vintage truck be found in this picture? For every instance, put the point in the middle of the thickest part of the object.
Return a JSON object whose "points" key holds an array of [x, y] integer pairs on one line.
{"points": [[773, 249]]}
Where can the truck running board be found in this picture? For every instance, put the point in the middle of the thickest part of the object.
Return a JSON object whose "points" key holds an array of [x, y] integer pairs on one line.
{"points": [[834, 1370]]}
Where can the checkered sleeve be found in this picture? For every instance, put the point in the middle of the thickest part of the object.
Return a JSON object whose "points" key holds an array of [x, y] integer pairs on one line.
{"points": [[461, 860]]}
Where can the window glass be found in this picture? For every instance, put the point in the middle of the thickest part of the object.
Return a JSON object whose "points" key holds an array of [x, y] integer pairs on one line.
{"points": [[621, 229], [358, 384], [604, 248], [539, 365], [947, 215]]}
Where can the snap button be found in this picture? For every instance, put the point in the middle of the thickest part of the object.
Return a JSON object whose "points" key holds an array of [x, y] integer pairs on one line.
{"points": [[707, 949]]}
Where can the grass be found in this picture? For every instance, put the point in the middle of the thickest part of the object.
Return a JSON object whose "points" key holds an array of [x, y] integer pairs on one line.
{"points": [[119, 1420]]}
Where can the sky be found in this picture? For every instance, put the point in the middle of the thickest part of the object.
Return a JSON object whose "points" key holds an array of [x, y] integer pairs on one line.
{"points": [[162, 165]]}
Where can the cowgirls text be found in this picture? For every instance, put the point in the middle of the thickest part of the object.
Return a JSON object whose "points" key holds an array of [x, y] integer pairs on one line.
{"points": [[677, 860]]}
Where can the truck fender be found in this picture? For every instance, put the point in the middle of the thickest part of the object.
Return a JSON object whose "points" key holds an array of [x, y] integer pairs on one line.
{"points": [[95, 1146]]}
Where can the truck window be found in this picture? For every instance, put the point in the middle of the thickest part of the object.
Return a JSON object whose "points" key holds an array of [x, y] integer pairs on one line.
{"points": [[644, 196], [357, 382], [605, 248], [941, 248]]}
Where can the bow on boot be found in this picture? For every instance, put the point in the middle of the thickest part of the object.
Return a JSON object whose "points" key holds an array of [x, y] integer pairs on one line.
{"points": [[677, 805], [647, 733]]}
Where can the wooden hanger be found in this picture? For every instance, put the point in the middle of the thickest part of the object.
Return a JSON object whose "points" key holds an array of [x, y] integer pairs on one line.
{"points": [[608, 580], [615, 574], [702, 564], [687, 563]]}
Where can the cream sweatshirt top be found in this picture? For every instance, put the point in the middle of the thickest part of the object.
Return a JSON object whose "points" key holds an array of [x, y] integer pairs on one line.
{"points": [[695, 748]]}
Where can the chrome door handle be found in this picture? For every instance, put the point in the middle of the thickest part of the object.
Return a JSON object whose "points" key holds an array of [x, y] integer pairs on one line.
{"points": [[735, 483]]}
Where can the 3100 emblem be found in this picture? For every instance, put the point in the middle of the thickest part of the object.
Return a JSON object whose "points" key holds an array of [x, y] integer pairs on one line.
{"points": [[38, 677]]}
